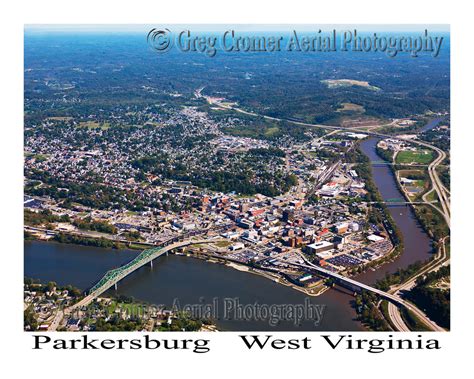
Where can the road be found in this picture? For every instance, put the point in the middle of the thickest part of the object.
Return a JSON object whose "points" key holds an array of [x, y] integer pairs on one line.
{"points": [[394, 311], [441, 191], [87, 234], [396, 318], [57, 319], [437, 184], [109, 283], [120, 273], [394, 299]]}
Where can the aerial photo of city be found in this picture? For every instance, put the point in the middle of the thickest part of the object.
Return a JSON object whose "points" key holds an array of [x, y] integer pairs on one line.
{"points": [[188, 189]]}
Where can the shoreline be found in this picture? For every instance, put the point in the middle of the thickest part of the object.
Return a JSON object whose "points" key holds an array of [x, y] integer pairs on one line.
{"points": [[274, 278], [232, 265], [243, 268]]}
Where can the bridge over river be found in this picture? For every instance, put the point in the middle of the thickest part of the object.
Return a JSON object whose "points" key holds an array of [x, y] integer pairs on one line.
{"points": [[112, 277], [356, 286], [400, 202]]}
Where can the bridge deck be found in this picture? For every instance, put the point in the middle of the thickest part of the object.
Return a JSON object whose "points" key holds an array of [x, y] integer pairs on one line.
{"points": [[115, 273], [112, 277]]}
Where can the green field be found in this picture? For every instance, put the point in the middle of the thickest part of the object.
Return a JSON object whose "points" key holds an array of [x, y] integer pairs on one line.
{"points": [[433, 196], [416, 157], [94, 125], [263, 131]]}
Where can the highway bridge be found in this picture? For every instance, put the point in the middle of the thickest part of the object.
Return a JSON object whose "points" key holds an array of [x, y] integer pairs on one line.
{"points": [[112, 277], [356, 286], [441, 191], [349, 283], [385, 163]]}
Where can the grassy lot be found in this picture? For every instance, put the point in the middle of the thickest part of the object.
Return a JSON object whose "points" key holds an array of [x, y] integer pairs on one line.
{"points": [[272, 131], [38, 157], [407, 173], [417, 157], [94, 125], [417, 184], [223, 243], [59, 118], [412, 321], [350, 107], [264, 130], [420, 182], [433, 196]]}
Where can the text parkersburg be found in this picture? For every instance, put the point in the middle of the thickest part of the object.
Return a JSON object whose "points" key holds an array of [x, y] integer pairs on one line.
{"points": [[253, 342]]}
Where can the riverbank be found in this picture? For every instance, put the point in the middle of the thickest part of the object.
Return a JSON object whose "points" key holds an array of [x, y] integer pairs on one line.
{"points": [[173, 277], [239, 267], [280, 280], [428, 215], [313, 291], [106, 241], [417, 247], [191, 281]]}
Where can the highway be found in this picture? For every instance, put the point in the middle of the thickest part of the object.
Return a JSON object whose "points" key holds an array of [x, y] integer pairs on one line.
{"points": [[57, 319], [440, 260], [113, 276], [436, 182], [408, 165], [437, 185], [392, 298], [396, 318], [387, 202], [441, 191]]}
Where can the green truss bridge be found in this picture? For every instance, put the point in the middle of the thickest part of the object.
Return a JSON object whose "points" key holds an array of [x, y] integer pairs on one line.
{"points": [[112, 277]]}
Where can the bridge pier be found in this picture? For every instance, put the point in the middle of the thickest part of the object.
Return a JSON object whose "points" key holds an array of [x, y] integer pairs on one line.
{"points": [[147, 256], [351, 287]]}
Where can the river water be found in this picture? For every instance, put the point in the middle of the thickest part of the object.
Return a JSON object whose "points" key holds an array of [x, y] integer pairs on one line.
{"points": [[431, 124], [187, 280], [192, 281], [417, 244]]}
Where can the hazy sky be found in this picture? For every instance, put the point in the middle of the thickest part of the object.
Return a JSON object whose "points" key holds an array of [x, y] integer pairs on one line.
{"points": [[131, 28]]}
